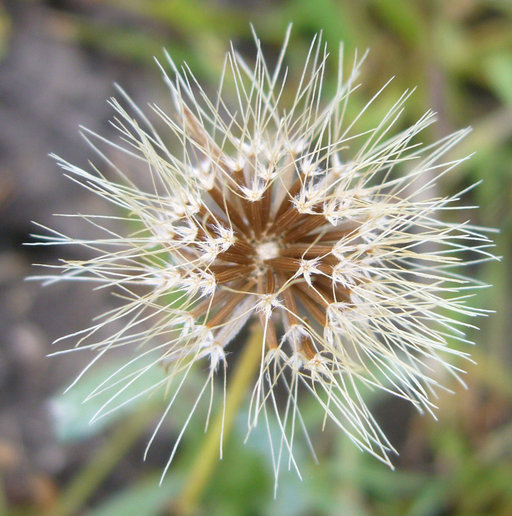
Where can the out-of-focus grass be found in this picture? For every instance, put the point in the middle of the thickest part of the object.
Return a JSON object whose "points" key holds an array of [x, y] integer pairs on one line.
{"points": [[459, 55], [5, 31]]}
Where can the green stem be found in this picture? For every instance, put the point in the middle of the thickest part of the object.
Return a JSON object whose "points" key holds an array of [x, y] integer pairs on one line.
{"points": [[208, 455]]}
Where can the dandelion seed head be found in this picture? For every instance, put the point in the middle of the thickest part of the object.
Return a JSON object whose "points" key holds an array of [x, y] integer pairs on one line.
{"points": [[286, 215]]}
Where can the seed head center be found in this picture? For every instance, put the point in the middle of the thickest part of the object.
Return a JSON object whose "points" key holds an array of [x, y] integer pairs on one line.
{"points": [[267, 250]]}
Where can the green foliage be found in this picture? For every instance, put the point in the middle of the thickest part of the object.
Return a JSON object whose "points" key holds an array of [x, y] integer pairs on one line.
{"points": [[145, 496], [73, 415]]}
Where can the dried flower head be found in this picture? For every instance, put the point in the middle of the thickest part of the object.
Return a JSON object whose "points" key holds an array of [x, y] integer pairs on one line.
{"points": [[328, 238]]}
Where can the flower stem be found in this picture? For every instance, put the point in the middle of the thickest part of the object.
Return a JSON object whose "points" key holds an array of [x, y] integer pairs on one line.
{"points": [[208, 455]]}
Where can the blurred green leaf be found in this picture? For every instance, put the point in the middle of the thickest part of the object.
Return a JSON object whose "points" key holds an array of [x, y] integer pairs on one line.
{"points": [[430, 498], [144, 497], [499, 72], [72, 415], [242, 475], [404, 18]]}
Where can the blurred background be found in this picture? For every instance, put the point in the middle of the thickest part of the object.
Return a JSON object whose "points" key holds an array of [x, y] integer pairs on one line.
{"points": [[58, 62]]}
